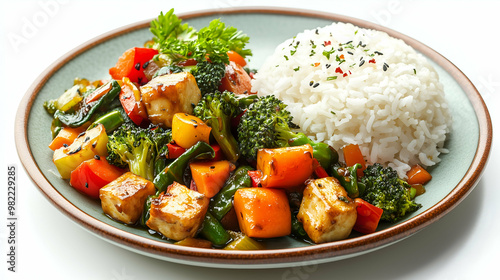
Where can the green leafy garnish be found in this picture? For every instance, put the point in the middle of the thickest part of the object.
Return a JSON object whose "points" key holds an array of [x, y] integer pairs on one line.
{"points": [[182, 42]]}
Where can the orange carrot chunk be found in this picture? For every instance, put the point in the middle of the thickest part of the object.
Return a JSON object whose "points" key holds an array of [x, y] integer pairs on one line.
{"points": [[263, 212], [418, 175], [65, 137], [210, 176], [237, 58], [353, 155], [285, 167]]}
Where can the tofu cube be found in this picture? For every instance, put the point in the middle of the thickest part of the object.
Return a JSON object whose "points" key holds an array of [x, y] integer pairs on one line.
{"points": [[166, 95], [326, 211], [123, 199], [178, 212]]}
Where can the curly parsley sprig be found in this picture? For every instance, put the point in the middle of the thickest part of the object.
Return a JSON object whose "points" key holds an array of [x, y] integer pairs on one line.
{"points": [[182, 42]]}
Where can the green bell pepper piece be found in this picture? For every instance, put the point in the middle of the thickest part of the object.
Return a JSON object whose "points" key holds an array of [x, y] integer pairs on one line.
{"points": [[222, 202], [213, 231], [175, 170], [325, 154], [350, 182]]}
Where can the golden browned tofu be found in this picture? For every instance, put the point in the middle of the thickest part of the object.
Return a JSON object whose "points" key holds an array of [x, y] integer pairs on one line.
{"points": [[123, 199], [178, 212], [166, 95], [326, 212]]}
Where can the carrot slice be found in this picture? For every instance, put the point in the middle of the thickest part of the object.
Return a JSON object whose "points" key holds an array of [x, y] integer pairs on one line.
{"points": [[285, 167], [263, 212], [237, 58], [210, 176], [353, 155], [65, 137], [418, 175]]}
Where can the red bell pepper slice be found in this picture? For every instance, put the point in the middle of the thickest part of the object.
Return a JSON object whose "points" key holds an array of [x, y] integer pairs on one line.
{"points": [[130, 98], [319, 171], [132, 63], [256, 176], [174, 150], [91, 175], [368, 216], [218, 152]]}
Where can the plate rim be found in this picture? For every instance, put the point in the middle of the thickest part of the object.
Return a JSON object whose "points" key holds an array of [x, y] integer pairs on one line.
{"points": [[274, 257]]}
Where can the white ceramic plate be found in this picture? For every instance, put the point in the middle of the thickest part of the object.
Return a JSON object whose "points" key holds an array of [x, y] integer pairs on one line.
{"points": [[453, 179]]}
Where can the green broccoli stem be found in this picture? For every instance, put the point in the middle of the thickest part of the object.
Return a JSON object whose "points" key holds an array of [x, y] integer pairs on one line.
{"points": [[221, 130], [140, 164], [246, 100], [325, 155]]}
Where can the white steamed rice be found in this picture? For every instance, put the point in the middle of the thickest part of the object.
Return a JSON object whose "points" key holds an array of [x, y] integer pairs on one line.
{"points": [[375, 91]]}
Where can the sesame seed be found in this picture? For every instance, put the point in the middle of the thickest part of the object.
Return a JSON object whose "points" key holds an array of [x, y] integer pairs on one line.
{"points": [[385, 67], [75, 151]]}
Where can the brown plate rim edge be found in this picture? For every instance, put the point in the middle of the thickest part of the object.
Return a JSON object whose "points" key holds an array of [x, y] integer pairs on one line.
{"points": [[267, 257]]}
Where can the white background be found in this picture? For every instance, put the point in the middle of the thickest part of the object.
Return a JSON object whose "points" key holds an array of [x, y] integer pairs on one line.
{"points": [[462, 245]]}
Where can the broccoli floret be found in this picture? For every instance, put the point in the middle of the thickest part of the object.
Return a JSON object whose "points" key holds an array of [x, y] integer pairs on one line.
{"points": [[383, 188], [138, 148], [268, 124], [208, 75], [260, 125], [217, 109]]}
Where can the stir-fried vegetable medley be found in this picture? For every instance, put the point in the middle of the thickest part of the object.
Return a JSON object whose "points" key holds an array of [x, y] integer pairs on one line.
{"points": [[175, 141]]}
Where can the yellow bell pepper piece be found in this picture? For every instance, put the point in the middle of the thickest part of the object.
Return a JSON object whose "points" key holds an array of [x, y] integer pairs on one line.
{"points": [[88, 144], [187, 130]]}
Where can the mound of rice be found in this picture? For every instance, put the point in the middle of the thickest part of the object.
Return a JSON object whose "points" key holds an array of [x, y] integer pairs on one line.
{"points": [[345, 84]]}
